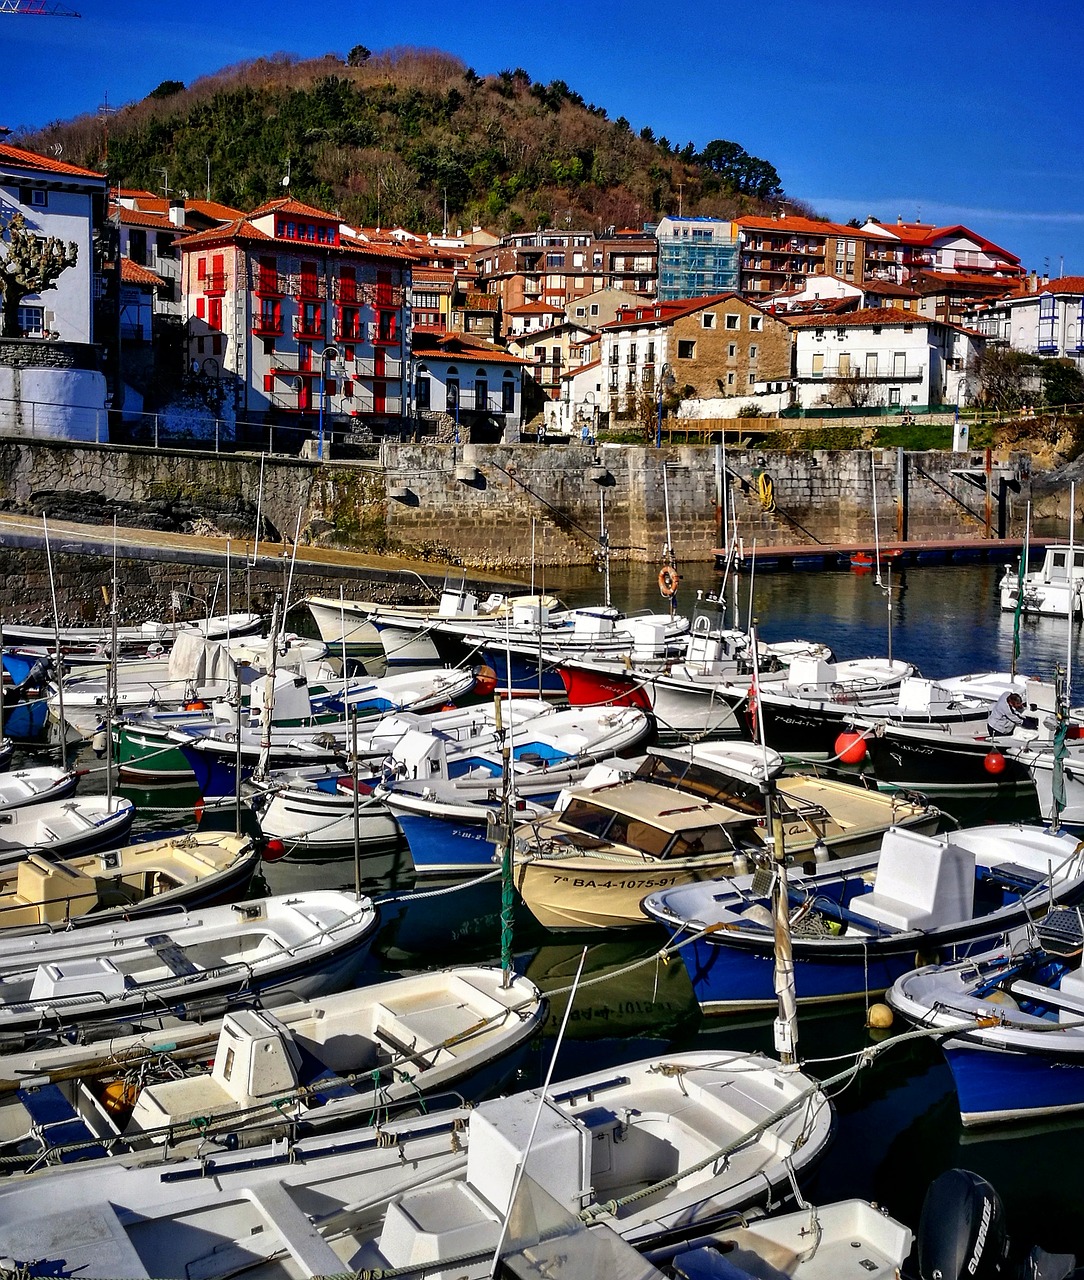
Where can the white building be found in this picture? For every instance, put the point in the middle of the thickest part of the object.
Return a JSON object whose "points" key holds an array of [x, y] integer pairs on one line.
{"points": [[1046, 322], [882, 357], [68, 202], [478, 384]]}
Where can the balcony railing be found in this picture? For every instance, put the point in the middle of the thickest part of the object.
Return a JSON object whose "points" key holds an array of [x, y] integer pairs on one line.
{"points": [[912, 373], [214, 282], [349, 332], [306, 286], [391, 369], [267, 326], [309, 327], [269, 284]]}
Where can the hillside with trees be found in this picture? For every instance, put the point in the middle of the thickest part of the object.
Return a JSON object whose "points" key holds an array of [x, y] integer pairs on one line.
{"points": [[387, 138]]}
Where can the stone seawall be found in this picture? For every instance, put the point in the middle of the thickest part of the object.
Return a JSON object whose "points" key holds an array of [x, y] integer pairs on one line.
{"points": [[495, 506]]}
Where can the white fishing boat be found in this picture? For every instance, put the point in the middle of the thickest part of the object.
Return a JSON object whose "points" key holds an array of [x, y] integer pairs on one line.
{"points": [[36, 785], [1055, 590], [100, 638], [661, 1146], [252, 1074], [39, 893], [189, 963], [64, 828]]}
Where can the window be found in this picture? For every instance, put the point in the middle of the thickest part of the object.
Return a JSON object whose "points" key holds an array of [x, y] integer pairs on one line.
{"points": [[137, 246], [481, 390], [818, 365], [31, 322], [451, 395], [707, 320], [752, 378], [386, 329], [686, 349], [731, 350], [427, 301], [508, 394], [214, 313], [893, 395], [39, 199], [871, 364], [422, 390], [755, 323], [594, 308], [581, 311], [555, 259], [201, 308], [729, 379], [753, 350], [733, 322]]}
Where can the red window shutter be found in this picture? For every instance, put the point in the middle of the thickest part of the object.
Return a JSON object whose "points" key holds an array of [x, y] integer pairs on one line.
{"points": [[201, 308], [348, 389], [269, 382]]}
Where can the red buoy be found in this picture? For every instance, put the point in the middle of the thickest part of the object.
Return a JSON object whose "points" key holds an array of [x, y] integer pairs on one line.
{"points": [[273, 849], [851, 748], [994, 762]]}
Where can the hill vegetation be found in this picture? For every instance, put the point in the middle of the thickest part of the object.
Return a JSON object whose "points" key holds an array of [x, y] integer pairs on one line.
{"points": [[388, 138]]}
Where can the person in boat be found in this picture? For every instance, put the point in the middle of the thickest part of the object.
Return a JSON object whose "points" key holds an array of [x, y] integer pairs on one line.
{"points": [[1006, 713]]}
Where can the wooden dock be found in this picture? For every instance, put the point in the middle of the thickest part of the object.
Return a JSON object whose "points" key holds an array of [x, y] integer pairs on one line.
{"points": [[817, 555]]}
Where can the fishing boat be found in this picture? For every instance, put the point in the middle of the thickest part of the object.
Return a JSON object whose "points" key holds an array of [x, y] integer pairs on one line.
{"points": [[664, 1147], [686, 816], [65, 828], [39, 893], [1054, 590], [698, 694], [303, 728], [25, 694], [94, 642], [252, 1074], [1013, 1019], [189, 963], [444, 800], [815, 1242], [36, 784], [856, 925]]}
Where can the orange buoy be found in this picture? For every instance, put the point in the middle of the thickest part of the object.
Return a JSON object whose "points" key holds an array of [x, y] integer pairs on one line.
{"points": [[197, 704], [994, 762], [118, 1097], [851, 748], [485, 680]]}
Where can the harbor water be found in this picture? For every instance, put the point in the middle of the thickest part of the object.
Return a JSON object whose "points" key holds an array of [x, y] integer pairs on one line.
{"points": [[897, 1123]]}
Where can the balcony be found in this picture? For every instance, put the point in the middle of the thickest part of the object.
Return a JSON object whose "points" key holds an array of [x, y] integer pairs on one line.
{"points": [[392, 369], [309, 327], [349, 332], [833, 373], [385, 339], [214, 282], [267, 326], [306, 286], [269, 284]]}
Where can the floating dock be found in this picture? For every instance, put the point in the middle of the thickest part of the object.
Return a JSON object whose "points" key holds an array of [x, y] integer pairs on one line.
{"points": [[813, 556]]}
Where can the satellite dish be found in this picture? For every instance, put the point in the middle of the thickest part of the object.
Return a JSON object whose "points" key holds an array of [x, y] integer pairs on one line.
{"points": [[184, 193], [286, 181]]}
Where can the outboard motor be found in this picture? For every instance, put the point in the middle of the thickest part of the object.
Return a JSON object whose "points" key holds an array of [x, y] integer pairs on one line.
{"points": [[961, 1236]]}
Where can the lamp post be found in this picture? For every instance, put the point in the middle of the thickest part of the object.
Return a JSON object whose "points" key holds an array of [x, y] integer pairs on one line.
{"points": [[327, 351], [666, 382]]}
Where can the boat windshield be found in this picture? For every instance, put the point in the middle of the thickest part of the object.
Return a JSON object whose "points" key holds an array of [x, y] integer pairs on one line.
{"points": [[636, 833], [701, 780]]}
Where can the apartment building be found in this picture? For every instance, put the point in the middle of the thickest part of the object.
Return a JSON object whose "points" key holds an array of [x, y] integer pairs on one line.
{"points": [[698, 257], [1047, 321], [556, 267], [299, 314], [784, 250]]}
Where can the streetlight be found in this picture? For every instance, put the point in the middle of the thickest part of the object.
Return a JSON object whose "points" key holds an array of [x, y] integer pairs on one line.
{"points": [[334, 352], [666, 383]]}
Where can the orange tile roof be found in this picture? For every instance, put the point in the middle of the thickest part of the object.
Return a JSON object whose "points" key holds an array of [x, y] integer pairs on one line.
{"points": [[213, 209], [888, 288], [132, 273], [535, 309], [140, 218], [862, 319], [241, 230], [669, 311], [456, 346], [925, 233], [1065, 284], [474, 301], [287, 205], [45, 164], [794, 222], [933, 281]]}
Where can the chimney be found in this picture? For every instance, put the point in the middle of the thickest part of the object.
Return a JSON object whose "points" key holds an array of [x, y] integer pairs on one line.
{"points": [[899, 219], [176, 212]]}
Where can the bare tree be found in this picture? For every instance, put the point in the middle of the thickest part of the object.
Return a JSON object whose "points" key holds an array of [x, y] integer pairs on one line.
{"points": [[1002, 378], [31, 264], [852, 390]]}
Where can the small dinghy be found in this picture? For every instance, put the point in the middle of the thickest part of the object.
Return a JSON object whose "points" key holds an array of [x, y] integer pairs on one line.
{"points": [[39, 893], [308, 1066], [192, 963], [856, 926], [65, 828], [35, 785], [661, 1147], [1016, 1014]]}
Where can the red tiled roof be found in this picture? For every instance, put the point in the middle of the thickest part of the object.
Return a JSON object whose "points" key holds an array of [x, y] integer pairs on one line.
{"points": [[287, 205], [213, 209], [535, 309], [140, 218], [794, 222], [917, 233], [132, 273], [455, 346], [937, 281], [241, 230], [1066, 284], [475, 301], [669, 311], [44, 164], [888, 289], [863, 319]]}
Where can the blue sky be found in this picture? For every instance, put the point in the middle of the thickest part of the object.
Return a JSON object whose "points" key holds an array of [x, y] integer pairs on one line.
{"points": [[952, 113]]}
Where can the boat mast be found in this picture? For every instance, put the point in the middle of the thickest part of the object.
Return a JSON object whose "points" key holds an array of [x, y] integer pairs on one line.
{"points": [[59, 658], [876, 525], [505, 828], [1020, 578], [1065, 692], [786, 1022], [111, 680], [268, 711], [668, 555]]}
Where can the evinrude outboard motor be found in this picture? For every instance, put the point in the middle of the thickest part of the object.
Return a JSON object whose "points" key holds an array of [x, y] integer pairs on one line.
{"points": [[961, 1236]]}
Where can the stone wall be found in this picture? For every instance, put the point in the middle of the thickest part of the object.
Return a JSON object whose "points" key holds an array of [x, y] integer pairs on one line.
{"points": [[493, 506]]}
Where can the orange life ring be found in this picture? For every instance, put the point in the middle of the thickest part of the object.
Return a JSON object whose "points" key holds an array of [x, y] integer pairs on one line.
{"points": [[668, 581]]}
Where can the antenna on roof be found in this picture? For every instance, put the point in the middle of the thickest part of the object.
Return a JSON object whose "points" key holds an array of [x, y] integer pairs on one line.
{"points": [[57, 149]]}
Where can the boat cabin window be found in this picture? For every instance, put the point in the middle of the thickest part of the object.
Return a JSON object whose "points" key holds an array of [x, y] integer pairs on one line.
{"points": [[703, 781], [713, 839], [617, 828]]}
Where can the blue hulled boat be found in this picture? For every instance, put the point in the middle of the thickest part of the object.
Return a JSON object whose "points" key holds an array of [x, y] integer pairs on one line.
{"points": [[857, 925]]}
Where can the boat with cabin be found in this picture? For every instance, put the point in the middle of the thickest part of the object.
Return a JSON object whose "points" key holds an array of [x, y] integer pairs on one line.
{"points": [[1054, 590]]}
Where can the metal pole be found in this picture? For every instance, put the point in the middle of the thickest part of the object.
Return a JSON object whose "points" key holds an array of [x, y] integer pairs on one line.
{"points": [[59, 657], [320, 439], [357, 815], [876, 527]]}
